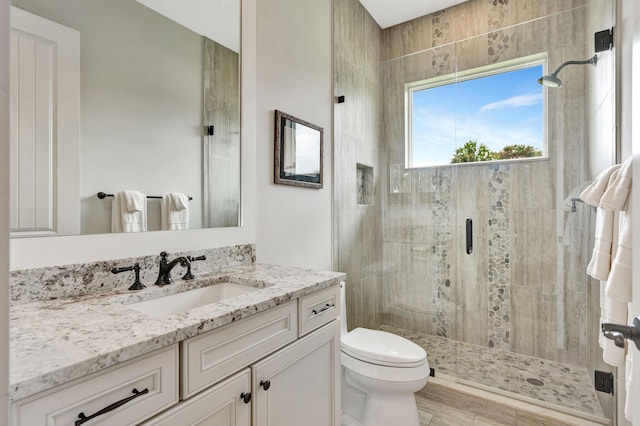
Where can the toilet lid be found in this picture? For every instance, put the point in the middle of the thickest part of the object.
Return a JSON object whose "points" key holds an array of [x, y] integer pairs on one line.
{"points": [[382, 348]]}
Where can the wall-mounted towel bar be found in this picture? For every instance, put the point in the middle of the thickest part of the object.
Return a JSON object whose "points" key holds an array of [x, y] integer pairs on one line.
{"points": [[103, 195]]}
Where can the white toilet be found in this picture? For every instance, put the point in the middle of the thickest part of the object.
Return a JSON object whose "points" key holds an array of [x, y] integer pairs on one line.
{"points": [[380, 374]]}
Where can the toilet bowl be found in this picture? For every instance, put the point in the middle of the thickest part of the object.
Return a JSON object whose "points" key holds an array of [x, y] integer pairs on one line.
{"points": [[380, 374]]}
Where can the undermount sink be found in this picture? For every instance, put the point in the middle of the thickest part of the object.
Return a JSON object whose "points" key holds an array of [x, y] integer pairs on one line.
{"points": [[181, 302]]}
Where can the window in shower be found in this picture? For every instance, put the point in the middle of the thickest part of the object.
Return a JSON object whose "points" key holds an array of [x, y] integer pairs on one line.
{"points": [[492, 113]]}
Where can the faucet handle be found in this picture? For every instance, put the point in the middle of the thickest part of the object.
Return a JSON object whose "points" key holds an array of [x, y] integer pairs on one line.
{"points": [[137, 285], [188, 275]]}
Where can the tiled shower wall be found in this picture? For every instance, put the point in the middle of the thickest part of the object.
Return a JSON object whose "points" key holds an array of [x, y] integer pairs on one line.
{"points": [[523, 288], [357, 44]]}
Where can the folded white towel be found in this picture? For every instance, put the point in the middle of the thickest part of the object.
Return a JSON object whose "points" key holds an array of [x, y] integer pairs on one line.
{"points": [[129, 212], [619, 283], [174, 211], [600, 263], [617, 192], [593, 193]]}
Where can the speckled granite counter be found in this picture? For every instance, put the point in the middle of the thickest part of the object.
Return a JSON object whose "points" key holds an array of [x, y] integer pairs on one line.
{"points": [[55, 342]]}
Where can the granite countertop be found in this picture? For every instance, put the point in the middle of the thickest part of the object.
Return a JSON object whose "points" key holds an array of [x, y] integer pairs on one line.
{"points": [[55, 342]]}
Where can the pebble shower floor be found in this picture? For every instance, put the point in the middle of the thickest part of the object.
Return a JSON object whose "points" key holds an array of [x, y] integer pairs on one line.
{"points": [[563, 385]]}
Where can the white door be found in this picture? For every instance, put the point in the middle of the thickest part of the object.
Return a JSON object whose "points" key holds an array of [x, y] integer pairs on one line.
{"points": [[44, 126], [300, 384]]}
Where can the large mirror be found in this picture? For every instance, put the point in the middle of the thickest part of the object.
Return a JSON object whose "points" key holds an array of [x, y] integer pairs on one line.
{"points": [[152, 107]]}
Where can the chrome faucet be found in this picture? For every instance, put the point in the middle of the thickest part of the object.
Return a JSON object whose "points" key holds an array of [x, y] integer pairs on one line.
{"points": [[164, 276]]}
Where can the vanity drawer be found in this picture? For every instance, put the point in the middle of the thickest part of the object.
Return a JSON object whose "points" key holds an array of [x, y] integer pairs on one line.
{"points": [[212, 356], [318, 309], [154, 378]]}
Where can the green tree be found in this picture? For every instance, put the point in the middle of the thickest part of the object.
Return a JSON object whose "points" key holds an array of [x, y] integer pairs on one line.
{"points": [[472, 151], [517, 151]]}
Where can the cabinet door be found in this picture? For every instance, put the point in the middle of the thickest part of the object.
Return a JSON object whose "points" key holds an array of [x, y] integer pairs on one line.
{"points": [[221, 405], [300, 384]]}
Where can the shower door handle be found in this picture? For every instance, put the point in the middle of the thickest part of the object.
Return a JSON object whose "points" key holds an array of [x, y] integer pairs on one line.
{"points": [[469, 236], [619, 332]]}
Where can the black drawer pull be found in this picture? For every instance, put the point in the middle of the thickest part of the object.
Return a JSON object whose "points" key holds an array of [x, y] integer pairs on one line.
{"points": [[83, 419], [266, 384], [246, 397], [326, 307]]}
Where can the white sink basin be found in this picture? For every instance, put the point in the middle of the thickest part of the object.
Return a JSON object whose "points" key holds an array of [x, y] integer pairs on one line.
{"points": [[181, 302]]}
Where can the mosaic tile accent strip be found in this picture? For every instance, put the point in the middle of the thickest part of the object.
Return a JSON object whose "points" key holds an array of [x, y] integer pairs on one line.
{"points": [[39, 284], [498, 44], [498, 13], [563, 385], [499, 275], [440, 25], [442, 239]]}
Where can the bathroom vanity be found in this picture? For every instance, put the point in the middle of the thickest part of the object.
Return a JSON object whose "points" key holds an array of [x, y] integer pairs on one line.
{"points": [[269, 356]]}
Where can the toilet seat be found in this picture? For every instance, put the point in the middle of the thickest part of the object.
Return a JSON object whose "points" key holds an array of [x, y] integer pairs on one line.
{"points": [[382, 348], [384, 373]]}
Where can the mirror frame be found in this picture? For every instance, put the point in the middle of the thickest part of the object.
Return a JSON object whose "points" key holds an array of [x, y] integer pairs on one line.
{"points": [[279, 147]]}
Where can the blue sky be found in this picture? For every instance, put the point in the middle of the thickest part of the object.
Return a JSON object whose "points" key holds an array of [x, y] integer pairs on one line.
{"points": [[499, 110]]}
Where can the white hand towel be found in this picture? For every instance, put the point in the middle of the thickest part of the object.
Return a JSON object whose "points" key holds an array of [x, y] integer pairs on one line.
{"points": [[613, 311], [129, 212], [600, 263], [593, 193], [174, 211], [619, 283], [617, 193]]}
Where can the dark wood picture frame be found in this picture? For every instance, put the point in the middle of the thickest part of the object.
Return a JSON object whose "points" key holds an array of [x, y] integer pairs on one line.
{"points": [[287, 170]]}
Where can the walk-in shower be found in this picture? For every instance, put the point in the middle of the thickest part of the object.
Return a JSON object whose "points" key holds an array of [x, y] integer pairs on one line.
{"points": [[517, 314]]}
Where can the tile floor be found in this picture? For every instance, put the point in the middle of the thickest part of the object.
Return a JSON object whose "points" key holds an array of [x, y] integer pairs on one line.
{"points": [[563, 385]]}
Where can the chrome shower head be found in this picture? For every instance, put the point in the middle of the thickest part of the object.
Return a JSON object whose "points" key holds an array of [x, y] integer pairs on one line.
{"points": [[552, 79]]}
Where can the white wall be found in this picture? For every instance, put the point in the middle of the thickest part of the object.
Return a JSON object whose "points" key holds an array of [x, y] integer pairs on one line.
{"points": [[4, 210], [294, 72], [49, 251]]}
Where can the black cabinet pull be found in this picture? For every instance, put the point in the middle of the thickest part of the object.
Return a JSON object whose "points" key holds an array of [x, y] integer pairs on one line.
{"points": [[469, 236], [266, 384], [327, 306], [246, 397], [82, 418]]}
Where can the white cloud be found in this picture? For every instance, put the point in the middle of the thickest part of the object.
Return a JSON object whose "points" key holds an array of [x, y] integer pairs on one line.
{"points": [[514, 101]]}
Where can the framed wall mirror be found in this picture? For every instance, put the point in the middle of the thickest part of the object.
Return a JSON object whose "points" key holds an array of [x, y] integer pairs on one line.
{"points": [[156, 91], [298, 152]]}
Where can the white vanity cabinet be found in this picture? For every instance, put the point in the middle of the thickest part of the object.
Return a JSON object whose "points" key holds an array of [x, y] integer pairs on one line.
{"points": [[293, 382], [279, 367], [122, 395]]}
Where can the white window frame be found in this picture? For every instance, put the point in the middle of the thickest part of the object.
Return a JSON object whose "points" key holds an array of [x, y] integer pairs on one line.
{"points": [[460, 76]]}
